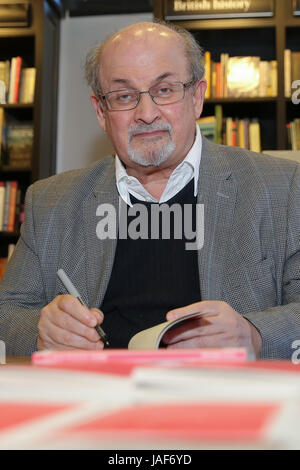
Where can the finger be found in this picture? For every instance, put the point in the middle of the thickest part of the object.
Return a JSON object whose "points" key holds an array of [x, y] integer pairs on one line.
{"points": [[214, 341], [66, 322], [98, 314], [191, 329], [73, 307], [204, 307], [59, 337]]}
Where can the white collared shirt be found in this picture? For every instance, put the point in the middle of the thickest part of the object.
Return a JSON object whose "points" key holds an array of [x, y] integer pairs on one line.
{"points": [[180, 177]]}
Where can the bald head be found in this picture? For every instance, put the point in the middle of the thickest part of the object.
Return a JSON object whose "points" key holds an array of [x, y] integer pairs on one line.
{"points": [[147, 35]]}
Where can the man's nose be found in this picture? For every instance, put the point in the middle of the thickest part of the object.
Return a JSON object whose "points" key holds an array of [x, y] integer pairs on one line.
{"points": [[147, 111]]}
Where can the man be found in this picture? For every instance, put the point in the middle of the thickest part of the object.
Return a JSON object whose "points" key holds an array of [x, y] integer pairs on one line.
{"points": [[148, 91]]}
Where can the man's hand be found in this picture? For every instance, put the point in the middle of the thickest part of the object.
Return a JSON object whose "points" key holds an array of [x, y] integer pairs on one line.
{"points": [[220, 326], [66, 324]]}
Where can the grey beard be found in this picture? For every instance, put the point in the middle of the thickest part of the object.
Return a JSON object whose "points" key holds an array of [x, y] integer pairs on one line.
{"points": [[154, 157], [151, 157]]}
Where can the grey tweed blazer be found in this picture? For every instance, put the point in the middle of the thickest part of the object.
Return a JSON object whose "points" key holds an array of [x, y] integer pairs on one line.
{"points": [[250, 257]]}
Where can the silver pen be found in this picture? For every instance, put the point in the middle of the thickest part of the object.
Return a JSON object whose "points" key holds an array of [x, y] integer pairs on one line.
{"points": [[73, 291]]}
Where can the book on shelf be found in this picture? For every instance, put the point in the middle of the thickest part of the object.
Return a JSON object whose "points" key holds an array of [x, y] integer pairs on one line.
{"points": [[240, 77], [254, 136], [152, 338], [233, 131], [208, 127], [18, 81], [4, 80], [27, 85], [14, 80], [9, 199], [4, 261], [291, 70], [293, 130], [207, 63], [19, 144], [243, 77]]}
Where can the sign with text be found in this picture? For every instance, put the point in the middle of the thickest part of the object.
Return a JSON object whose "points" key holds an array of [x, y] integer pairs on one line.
{"points": [[205, 9], [296, 7]]}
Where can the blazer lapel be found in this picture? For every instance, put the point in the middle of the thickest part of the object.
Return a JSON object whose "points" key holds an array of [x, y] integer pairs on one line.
{"points": [[217, 191], [100, 252]]}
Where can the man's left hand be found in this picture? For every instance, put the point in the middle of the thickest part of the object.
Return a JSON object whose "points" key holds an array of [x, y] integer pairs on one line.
{"points": [[220, 326]]}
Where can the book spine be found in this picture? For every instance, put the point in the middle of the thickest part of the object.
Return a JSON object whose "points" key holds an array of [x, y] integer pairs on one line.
{"points": [[208, 73], [218, 80], [287, 73], [254, 136], [213, 79], [12, 206], [17, 79], [12, 80], [6, 205], [274, 78], [2, 197], [234, 133]]}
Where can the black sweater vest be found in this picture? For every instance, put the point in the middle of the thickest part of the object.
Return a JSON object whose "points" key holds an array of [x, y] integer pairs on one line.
{"points": [[151, 276]]}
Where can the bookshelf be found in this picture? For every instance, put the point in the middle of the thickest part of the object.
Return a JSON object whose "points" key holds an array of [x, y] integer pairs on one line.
{"points": [[266, 37], [37, 43]]}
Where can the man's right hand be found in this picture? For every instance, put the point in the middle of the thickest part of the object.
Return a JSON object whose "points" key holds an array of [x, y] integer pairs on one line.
{"points": [[66, 324]]}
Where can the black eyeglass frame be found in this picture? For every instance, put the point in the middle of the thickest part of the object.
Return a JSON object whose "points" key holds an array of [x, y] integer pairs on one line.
{"points": [[104, 99]]}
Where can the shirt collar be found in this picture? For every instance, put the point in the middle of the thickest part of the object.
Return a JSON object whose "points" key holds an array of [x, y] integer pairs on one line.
{"points": [[193, 159]]}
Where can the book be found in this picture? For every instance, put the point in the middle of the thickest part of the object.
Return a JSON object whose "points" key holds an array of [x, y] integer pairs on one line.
{"points": [[27, 85], [219, 80], [6, 206], [4, 78], [243, 77], [152, 338], [14, 81], [208, 127], [207, 62], [263, 72], [287, 72], [2, 197], [2, 124], [124, 361], [274, 77], [295, 66], [228, 122], [12, 206], [219, 123], [2, 267], [254, 136], [241, 133], [19, 143]]}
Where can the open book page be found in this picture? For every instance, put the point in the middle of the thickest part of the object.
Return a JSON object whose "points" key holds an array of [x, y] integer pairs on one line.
{"points": [[152, 337]]}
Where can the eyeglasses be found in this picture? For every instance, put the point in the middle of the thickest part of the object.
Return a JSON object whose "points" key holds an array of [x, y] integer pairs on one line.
{"points": [[161, 94]]}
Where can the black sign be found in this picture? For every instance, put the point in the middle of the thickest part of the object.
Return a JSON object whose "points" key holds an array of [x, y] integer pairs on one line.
{"points": [[296, 7], [14, 15], [203, 9]]}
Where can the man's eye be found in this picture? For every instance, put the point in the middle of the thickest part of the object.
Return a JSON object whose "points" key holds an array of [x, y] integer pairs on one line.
{"points": [[125, 97], [164, 91]]}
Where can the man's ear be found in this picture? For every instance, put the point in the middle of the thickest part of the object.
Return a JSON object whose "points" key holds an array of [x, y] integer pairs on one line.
{"points": [[198, 96], [100, 111]]}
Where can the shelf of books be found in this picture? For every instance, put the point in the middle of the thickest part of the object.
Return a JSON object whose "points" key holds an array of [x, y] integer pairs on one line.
{"points": [[292, 87], [17, 96], [252, 62], [29, 46]]}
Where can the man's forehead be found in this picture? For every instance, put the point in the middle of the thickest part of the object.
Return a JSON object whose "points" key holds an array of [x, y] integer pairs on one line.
{"points": [[142, 36]]}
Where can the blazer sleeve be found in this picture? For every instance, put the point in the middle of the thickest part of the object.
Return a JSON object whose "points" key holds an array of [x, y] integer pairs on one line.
{"points": [[22, 293], [280, 326]]}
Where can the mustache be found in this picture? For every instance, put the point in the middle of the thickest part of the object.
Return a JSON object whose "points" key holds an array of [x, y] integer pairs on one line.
{"points": [[148, 128]]}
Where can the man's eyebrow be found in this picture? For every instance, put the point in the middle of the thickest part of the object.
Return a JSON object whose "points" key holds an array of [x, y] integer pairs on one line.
{"points": [[128, 82]]}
